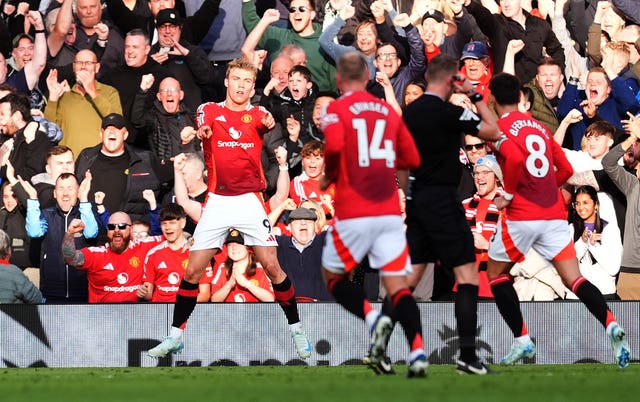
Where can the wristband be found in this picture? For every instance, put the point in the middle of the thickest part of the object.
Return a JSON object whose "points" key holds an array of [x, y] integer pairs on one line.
{"points": [[507, 196], [102, 42], [475, 97], [37, 31], [284, 167], [574, 80]]}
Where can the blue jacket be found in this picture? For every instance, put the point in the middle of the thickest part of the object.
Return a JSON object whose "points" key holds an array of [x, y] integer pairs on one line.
{"points": [[613, 109], [304, 269], [58, 280]]}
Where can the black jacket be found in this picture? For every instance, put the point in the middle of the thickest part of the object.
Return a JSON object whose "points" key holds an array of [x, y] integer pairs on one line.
{"points": [[501, 30], [161, 130], [13, 223], [192, 71], [194, 28], [144, 173]]}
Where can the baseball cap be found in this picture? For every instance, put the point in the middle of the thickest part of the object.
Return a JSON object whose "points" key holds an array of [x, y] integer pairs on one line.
{"points": [[168, 16], [490, 162], [474, 50], [16, 39], [234, 236], [114, 119], [435, 14], [302, 213]]}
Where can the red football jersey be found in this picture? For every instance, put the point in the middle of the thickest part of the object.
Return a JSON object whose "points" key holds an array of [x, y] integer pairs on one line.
{"points": [[165, 268], [113, 277], [366, 141], [534, 168], [304, 188], [239, 294], [232, 153]]}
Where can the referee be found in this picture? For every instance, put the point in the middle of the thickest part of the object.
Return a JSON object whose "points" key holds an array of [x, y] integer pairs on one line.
{"points": [[436, 225]]}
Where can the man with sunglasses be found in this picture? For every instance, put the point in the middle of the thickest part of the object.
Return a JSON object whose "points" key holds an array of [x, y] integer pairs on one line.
{"points": [[114, 270], [303, 32], [474, 148]]}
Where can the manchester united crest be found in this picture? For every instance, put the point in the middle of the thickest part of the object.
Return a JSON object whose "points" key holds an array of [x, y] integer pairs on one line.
{"points": [[246, 118], [134, 262], [184, 264]]}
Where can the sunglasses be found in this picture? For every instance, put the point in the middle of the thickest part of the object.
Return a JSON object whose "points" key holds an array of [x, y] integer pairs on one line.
{"points": [[121, 226], [477, 147], [302, 9]]}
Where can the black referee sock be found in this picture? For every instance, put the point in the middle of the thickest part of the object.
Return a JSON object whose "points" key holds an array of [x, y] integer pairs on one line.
{"points": [[185, 303], [349, 295], [389, 309], [409, 317], [286, 297], [466, 306], [508, 304], [592, 298]]}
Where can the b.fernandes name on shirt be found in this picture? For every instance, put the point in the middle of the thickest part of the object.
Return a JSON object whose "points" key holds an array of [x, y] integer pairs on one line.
{"points": [[235, 144], [517, 125]]}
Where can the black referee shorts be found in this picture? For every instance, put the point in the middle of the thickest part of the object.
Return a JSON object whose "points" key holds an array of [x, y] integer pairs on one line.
{"points": [[437, 228]]}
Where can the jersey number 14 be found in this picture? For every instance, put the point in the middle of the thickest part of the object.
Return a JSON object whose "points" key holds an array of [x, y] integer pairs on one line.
{"points": [[377, 148]]}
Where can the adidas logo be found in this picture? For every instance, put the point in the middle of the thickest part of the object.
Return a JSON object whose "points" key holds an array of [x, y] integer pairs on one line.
{"points": [[162, 265], [109, 267], [221, 118], [468, 115]]}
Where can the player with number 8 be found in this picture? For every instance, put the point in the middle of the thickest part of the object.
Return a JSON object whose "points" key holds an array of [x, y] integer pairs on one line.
{"points": [[534, 166]]}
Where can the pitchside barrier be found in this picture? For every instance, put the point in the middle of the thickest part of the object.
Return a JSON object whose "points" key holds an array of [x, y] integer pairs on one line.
{"points": [[118, 335]]}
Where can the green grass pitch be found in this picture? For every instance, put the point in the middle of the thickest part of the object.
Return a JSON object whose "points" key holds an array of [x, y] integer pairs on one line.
{"points": [[522, 383]]}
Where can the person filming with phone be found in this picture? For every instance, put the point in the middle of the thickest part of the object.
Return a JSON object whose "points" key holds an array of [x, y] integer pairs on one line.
{"points": [[184, 61]]}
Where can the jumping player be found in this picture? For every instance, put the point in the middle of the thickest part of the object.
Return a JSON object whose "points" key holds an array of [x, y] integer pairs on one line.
{"points": [[231, 134], [534, 167], [367, 143]]}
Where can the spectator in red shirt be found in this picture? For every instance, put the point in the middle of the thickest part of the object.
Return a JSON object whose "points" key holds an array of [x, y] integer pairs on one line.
{"points": [[306, 186], [476, 68], [240, 278], [114, 271], [165, 264]]}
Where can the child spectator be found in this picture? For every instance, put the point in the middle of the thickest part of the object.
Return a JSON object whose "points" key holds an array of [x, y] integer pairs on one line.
{"points": [[306, 186], [240, 278]]}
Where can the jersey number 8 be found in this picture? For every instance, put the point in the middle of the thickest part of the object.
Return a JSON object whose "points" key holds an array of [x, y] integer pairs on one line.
{"points": [[537, 163]]}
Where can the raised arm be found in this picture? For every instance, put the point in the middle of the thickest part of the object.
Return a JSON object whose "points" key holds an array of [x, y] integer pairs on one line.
{"points": [[90, 230], [61, 28], [191, 207], [573, 116], [513, 47], [253, 38], [34, 68], [71, 255], [283, 183]]}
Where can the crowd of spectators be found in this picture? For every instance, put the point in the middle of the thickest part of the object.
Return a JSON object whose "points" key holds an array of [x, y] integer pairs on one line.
{"points": [[103, 174]]}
